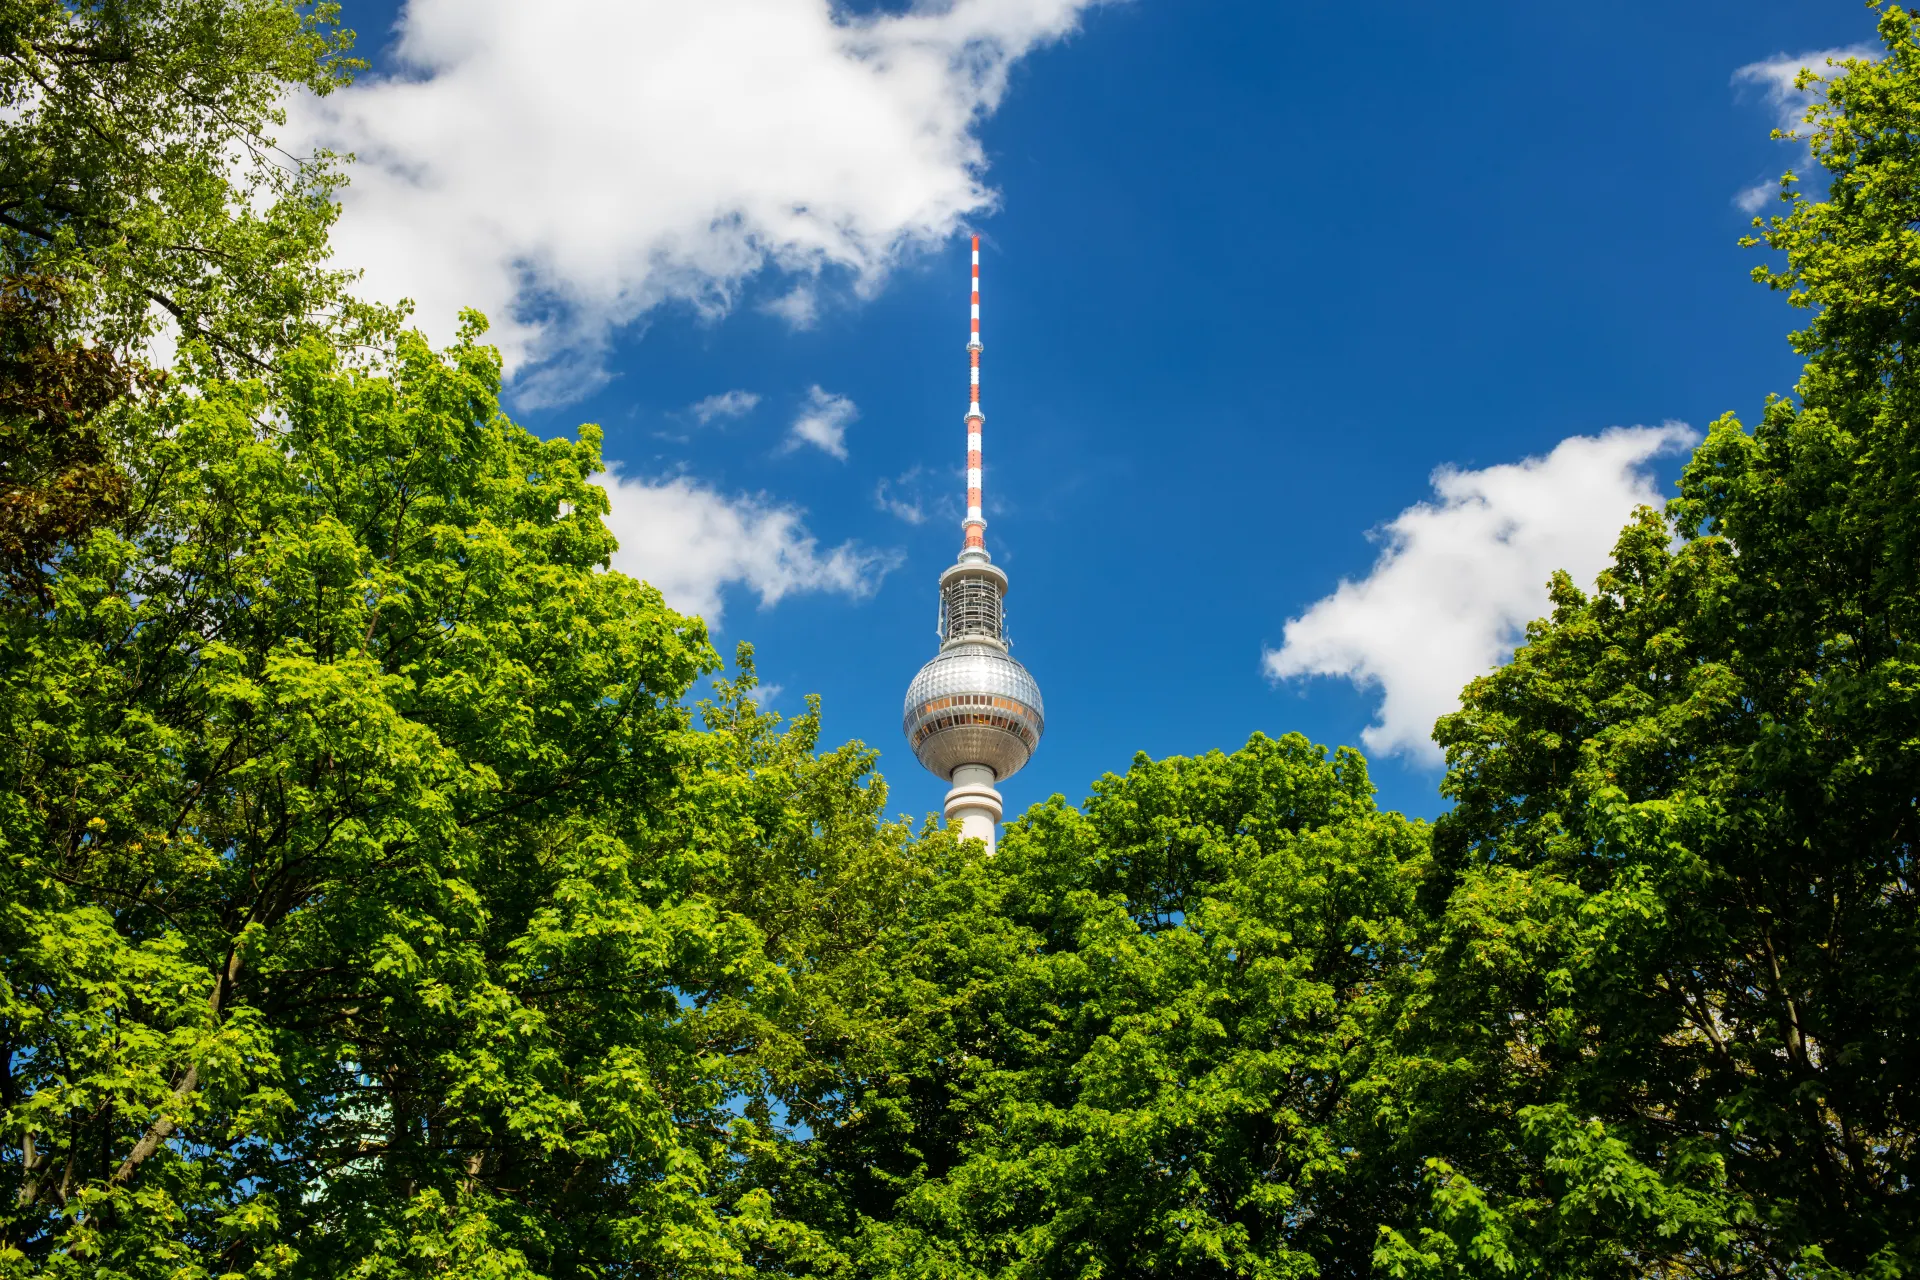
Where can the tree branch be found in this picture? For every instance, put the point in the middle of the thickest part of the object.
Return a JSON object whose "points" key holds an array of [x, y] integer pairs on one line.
{"points": [[166, 1123]]}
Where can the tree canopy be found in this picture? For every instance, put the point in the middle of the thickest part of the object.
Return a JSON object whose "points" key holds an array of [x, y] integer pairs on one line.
{"points": [[138, 164], [392, 889]]}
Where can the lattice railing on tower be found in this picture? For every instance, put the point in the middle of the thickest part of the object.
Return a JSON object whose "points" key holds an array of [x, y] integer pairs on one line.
{"points": [[973, 608]]}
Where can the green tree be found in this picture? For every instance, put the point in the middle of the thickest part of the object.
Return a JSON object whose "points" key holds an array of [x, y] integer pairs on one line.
{"points": [[374, 901], [1672, 1025], [1139, 1041], [139, 168], [142, 197]]}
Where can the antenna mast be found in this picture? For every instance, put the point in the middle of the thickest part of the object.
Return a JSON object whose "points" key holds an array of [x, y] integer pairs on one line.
{"points": [[976, 522]]}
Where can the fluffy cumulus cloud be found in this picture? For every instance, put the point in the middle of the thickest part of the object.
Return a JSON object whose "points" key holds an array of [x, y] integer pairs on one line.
{"points": [[568, 166], [1460, 577], [822, 422], [1775, 78], [693, 542]]}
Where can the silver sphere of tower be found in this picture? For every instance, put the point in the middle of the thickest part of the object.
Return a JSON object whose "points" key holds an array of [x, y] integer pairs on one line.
{"points": [[974, 704]]}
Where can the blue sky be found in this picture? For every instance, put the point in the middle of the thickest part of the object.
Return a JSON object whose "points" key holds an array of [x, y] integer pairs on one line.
{"points": [[1251, 273]]}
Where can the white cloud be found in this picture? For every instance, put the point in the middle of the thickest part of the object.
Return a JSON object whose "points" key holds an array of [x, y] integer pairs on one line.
{"points": [[823, 422], [1754, 198], [728, 404], [569, 166], [799, 306], [1460, 578], [691, 542]]}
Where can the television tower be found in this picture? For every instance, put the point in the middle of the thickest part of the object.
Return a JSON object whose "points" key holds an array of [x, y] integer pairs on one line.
{"points": [[973, 714]]}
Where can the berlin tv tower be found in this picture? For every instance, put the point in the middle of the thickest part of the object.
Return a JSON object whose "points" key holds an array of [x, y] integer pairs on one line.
{"points": [[973, 714]]}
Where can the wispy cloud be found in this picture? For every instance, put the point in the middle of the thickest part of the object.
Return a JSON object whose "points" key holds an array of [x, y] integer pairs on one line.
{"points": [[1459, 578], [728, 404], [900, 497], [1777, 78], [569, 166], [822, 422], [692, 542]]}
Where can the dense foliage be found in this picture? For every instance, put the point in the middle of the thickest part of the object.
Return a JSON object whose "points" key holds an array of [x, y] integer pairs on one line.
{"points": [[353, 819], [137, 165], [1142, 1041], [378, 898]]}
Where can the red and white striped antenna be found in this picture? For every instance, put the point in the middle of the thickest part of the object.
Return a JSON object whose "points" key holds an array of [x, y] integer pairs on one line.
{"points": [[976, 523]]}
